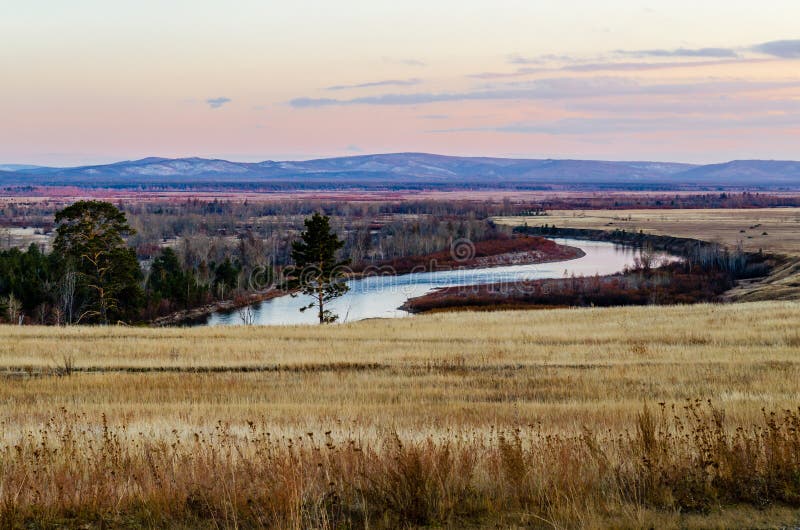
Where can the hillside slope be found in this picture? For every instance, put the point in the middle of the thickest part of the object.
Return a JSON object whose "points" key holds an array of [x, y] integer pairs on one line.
{"points": [[415, 170]]}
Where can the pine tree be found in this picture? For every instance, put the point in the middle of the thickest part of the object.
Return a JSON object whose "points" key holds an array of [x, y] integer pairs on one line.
{"points": [[316, 271], [167, 280], [90, 238]]}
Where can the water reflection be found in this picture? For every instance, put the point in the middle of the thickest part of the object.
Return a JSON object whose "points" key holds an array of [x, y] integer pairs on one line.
{"points": [[381, 296]]}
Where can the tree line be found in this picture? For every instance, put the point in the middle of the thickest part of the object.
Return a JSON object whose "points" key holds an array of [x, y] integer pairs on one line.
{"points": [[93, 276]]}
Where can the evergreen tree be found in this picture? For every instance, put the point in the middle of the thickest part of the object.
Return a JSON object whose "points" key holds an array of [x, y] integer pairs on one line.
{"points": [[316, 271], [226, 277], [27, 277], [90, 238], [167, 280]]}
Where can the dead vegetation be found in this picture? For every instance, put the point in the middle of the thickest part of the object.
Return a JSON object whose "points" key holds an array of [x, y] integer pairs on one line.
{"points": [[624, 417], [775, 231]]}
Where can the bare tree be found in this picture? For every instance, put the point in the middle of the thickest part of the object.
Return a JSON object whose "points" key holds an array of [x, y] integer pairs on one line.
{"points": [[14, 309], [42, 311], [645, 260], [247, 315], [66, 296], [106, 299]]}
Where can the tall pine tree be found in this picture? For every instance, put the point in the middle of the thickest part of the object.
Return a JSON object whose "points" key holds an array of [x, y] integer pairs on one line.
{"points": [[90, 237], [317, 272]]}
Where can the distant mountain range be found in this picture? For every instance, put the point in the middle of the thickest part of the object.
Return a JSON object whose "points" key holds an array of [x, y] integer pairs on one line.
{"points": [[411, 171], [17, 167]]}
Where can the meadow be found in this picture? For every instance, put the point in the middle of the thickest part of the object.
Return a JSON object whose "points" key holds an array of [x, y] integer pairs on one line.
{"points": [[769, 229], [638, 417], [775, 231], [628, 417]]}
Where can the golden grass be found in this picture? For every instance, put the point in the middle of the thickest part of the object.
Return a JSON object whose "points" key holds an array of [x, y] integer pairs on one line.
{"points": [[448, 386], [565, 366], [772, 230], [725, 226], [565, 336]]}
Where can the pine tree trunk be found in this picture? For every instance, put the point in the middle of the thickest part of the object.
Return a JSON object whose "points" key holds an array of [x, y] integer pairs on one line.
{"points": [[319, 303]]}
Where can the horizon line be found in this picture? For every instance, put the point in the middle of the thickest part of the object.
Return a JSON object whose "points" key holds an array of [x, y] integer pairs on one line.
{"points": [[390, 153]]}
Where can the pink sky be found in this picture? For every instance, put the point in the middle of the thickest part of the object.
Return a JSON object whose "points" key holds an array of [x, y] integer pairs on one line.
{"points": [[92, 81]]}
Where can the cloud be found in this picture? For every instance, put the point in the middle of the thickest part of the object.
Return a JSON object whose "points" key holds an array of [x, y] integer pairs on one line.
{"points": [[694, 106], [516, 58], [611, 66], [552, 88], [683, 58], [519, 72], [785, 49], [718, 53], [387, 82], [405, 62], [352, 148], [303, 103], [216, 103], [434, 116], [539, 89], [576, 63], [637, 66]]}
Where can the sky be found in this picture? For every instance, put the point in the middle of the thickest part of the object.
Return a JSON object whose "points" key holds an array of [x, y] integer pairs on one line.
{"points": [[96, 81]]}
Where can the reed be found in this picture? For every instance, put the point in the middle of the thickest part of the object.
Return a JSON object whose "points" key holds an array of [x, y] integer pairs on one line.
{"points": [[677, 459]]}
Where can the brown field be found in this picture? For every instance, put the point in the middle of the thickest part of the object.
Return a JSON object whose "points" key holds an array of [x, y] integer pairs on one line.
{"points": [[772, 230], [61, 196], [639, 417], [525, 418], [729, 226]]}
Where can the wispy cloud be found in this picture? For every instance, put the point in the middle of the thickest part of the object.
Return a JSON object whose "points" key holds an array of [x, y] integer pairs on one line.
{"points": [[681, 58], [708, 53], [612, 66], [553, 88], [434, 116], [641, 66], [519, 72], [387, 82], [785, 49], [405, 61], [516, 58], [718, 53], [216, 103], [695, 106]]}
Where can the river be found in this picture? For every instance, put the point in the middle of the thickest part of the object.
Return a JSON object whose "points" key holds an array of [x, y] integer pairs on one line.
{"points": [[381, 296]]}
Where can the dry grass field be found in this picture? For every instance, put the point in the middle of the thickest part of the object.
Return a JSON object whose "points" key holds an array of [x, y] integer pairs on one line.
{"points": [[772, 230], [562, 418]]}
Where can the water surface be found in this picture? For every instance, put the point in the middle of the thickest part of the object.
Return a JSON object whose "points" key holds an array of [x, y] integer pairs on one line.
{"points": [[382, 296]]}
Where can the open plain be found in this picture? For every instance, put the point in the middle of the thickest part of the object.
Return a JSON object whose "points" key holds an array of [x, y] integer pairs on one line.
{"points": [[399, 265], [774, 231], [769, 229], [562, 418], [674, 417]]}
